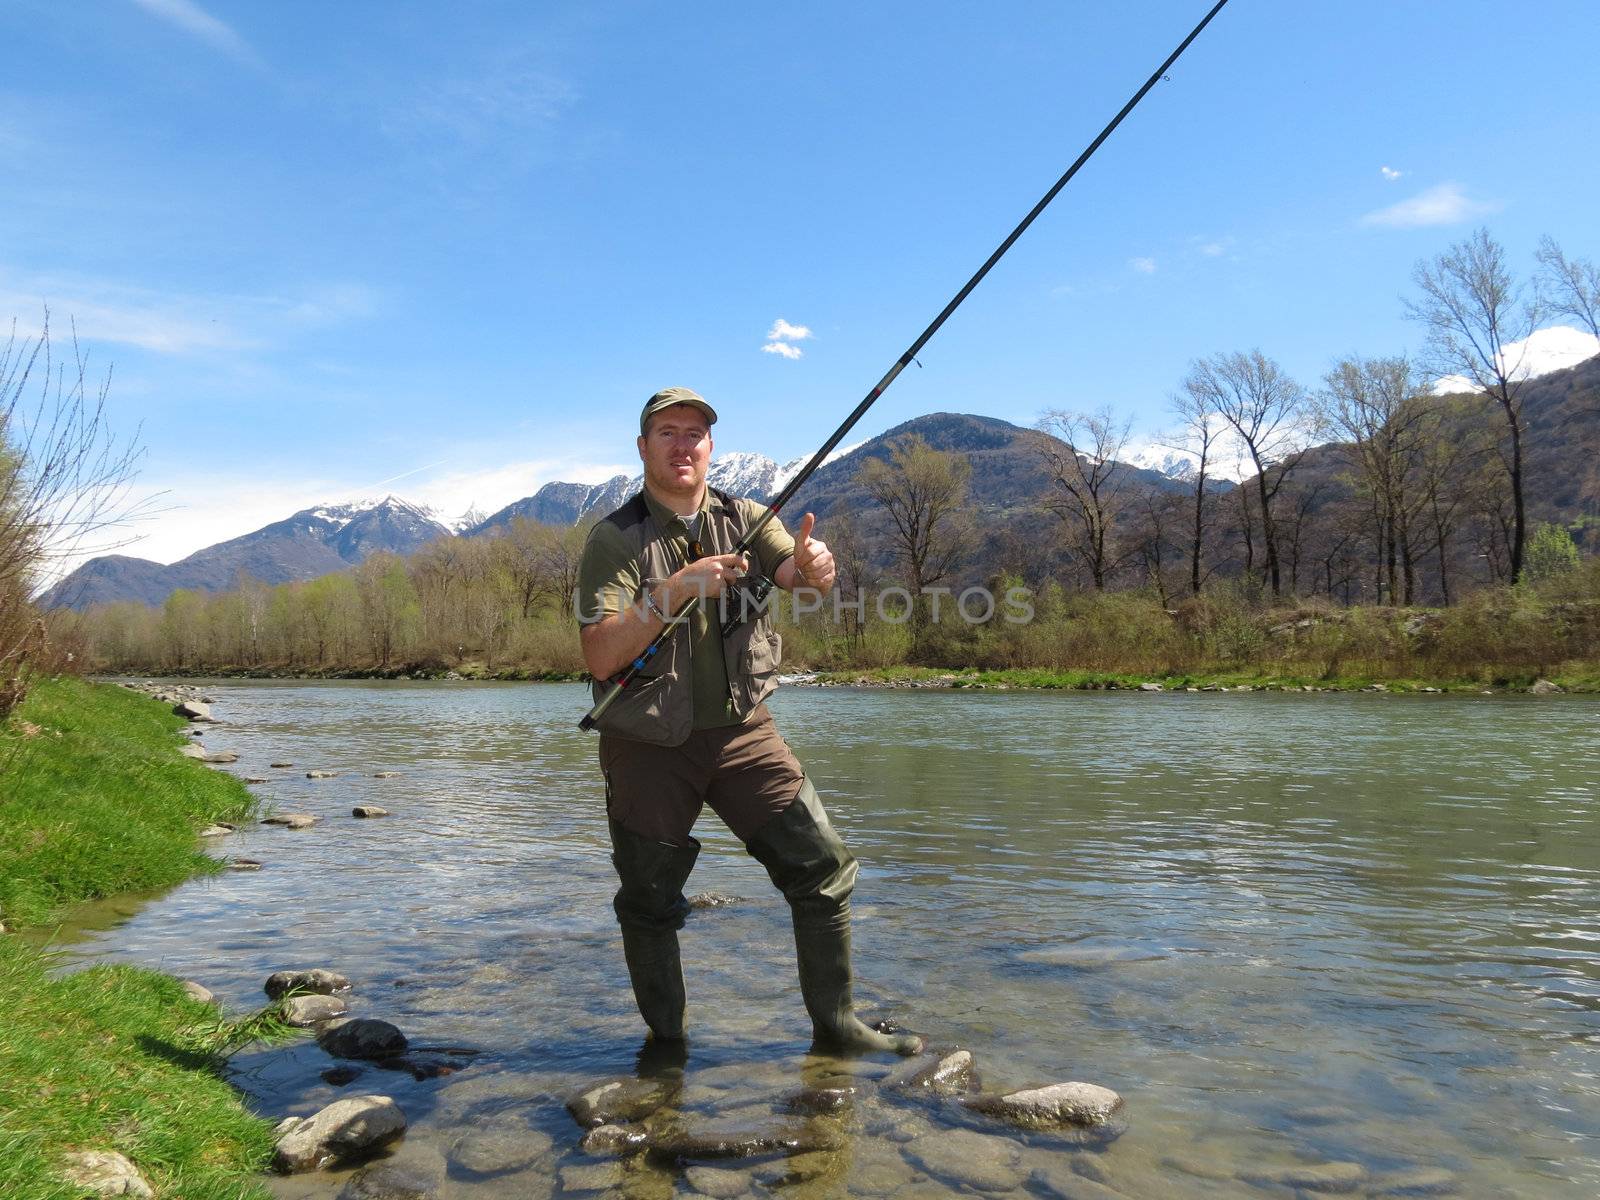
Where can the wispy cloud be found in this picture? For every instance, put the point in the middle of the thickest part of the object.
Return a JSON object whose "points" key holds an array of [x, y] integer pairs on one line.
{"points": [[483, 107], [1390, 173], [189, 17], [175, 323], [1445, 204], [783, 350], [1145, 266]]}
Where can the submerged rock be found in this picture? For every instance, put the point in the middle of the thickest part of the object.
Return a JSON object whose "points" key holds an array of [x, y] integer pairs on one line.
{"points": [[1419, 1181], [341, 1075], [1336, 1178], [719, 1182], [392, 1181], [497, 1149], [946, 1074], [362, 1037], [343, 1130], [978, 1160], [322, 774], [1055, 1106], [621, 1099], [318, 979], [105, 1173], [828, 1099], [279, 766], [711, 900]]}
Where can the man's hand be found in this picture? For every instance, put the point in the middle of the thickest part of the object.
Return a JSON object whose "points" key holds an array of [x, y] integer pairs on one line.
{"points": [[813, 561], [703, 579]]}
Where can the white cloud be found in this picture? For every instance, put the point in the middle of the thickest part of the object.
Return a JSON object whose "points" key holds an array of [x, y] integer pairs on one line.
{"points": [[1145, 266], [1212, 249], [1445, 204], [782, 349], [782, 331], [1390, 173], [1543, 351], [195, 21]]}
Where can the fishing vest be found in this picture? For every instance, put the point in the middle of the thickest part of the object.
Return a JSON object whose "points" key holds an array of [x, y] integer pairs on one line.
{"points": [[658, 703]]}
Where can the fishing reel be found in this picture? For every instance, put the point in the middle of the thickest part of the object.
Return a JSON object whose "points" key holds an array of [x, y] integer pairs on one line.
{"points": [[747, 602]]}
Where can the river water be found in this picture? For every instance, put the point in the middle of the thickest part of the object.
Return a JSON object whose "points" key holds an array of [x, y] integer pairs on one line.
{"points": [[1290, 930]]}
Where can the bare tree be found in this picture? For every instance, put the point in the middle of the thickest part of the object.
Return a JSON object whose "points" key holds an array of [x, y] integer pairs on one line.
{"points": [[1196, 433], [64, 480], [924, 492], [1080, 453], [850, 553], [1569, 287], [1265, 409], [1474, 313], [1374, 404]]}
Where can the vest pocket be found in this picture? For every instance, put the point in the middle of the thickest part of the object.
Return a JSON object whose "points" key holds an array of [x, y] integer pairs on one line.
{"points": [[764, 654]]}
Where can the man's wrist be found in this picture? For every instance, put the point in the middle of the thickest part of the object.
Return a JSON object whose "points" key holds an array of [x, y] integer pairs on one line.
{"points": [[654, 606]]}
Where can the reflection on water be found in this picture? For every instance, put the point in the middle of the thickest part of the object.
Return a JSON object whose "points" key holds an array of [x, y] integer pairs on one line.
{"points": [[1291, 930]]}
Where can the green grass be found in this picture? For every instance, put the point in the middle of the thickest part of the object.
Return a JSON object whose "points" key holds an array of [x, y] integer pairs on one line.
{"points": [[117, 1058], [95, 800]]}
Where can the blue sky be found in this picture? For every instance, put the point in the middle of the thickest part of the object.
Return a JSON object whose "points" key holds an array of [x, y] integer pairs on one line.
{"points": [[445, 251]]}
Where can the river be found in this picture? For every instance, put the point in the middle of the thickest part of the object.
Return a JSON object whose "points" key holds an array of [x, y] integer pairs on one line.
{"points": [[1290, 930]]}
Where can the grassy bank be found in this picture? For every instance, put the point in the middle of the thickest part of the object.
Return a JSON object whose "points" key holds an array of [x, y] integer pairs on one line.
{"points": [[95, 800]]}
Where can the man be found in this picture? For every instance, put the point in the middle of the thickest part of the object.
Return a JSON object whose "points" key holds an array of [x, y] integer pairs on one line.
{"points": [[692, 728]]}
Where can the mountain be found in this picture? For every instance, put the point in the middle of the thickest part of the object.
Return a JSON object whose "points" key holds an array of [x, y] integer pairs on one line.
{"points": [[312, 542]]}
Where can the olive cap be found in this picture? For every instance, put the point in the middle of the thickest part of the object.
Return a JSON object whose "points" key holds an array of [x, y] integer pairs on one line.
{"points": [[667, 397]]}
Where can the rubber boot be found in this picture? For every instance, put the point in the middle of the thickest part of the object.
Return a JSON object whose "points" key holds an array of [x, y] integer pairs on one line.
{"points": [[816, 873], [651, 909]]}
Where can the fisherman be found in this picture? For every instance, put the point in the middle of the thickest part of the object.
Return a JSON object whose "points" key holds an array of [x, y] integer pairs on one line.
{"points": [[692, 728]]}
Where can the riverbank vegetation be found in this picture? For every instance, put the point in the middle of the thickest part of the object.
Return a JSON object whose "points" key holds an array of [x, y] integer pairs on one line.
{"points": [[95, 801]]}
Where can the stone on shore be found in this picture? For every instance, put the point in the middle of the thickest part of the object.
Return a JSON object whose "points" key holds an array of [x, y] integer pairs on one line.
{"points": [[621, 1099], [1053, 1107], [343, 1130], [1335, 1178], [105, 1173], [215, 831], [195, 710], [362, 1037], [220, 756], [946, 1074], [1543, 687], [317, 979], [191, 750], [194, 991], [305, 1011], [368, 810]]}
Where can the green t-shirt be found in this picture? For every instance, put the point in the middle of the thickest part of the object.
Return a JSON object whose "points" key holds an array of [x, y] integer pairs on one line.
{"points": [[609, 580]]}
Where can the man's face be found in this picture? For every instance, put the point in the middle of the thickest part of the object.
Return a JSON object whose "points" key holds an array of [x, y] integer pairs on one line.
{"points": [[676, 450]]}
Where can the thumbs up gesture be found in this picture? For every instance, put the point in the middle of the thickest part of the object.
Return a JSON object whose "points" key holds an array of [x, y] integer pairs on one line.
{"points": [[812, 558]]}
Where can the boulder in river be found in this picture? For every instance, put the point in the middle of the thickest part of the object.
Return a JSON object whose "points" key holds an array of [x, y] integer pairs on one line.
{"points": [[305, 1011], [1055, 1106], [105, 1173], [279, 766], [362, 1037], [500, 1147], [392, 1181], [613, 1141], [713, 1142], [385, 774], [711, 900], [318, 979], [368, 810], [944, 1074], [620, 1099], [322, 774], [290, 820], [344, 1130]]}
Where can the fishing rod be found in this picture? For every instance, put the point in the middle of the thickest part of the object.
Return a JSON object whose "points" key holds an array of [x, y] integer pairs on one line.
{"points": [[753, 594]]}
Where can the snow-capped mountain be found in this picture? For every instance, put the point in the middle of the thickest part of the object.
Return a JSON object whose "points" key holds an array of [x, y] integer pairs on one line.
{"points": [[311, 542]]}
